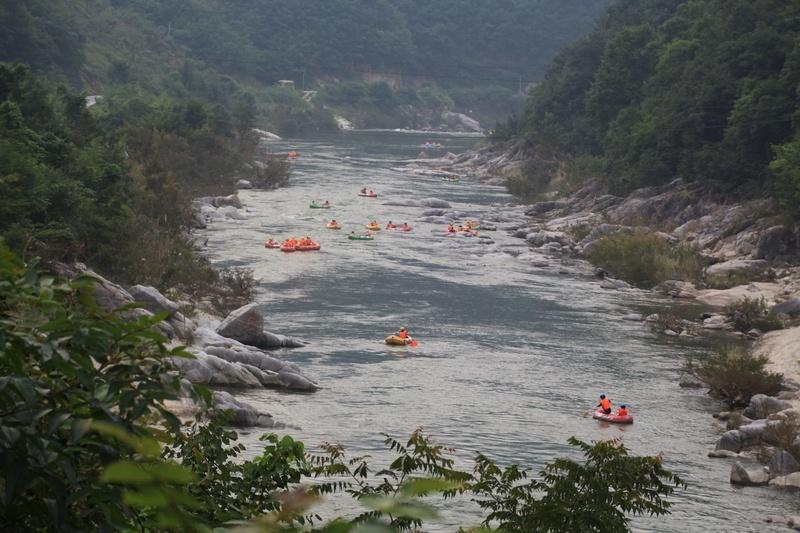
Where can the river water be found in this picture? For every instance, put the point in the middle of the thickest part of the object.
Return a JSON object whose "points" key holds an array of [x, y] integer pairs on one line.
{"points": [[510, 355]]}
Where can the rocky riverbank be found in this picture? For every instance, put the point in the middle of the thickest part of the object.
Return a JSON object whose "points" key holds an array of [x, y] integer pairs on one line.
{"points": [[749, 252], [236, 352]]}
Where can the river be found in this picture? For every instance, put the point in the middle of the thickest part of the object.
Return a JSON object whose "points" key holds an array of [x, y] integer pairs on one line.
{"points": [[510, 355]]}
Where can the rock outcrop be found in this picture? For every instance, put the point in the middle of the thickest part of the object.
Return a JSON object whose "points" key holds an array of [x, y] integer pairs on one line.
{"points": [[753, 477], [782, 464], [246, 325], [761, 406]]}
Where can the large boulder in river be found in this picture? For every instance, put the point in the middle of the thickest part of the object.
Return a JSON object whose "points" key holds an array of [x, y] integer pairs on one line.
{"points": [[761, 406], [242, 414], [246, 325], [435, 202], [742, 476]]}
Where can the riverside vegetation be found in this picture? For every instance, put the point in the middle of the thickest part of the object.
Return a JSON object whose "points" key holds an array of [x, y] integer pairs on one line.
{"points": [[88, 442]]}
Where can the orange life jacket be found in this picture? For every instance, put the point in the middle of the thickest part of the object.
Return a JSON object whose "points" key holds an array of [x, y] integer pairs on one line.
{"points": [[403, 334], [605, 404], [622, 412]]}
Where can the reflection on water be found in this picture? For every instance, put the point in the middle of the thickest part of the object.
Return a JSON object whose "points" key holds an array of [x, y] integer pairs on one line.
{"points": [[510, 356]]}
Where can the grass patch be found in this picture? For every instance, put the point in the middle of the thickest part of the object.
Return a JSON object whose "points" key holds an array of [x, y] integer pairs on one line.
{"points": [[739, 277], [578, 232], [750, 313], [736, 375], [645, 259]]}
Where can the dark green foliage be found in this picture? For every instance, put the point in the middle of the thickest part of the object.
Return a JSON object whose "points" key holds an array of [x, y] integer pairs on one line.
{"points": [[699, 89], [786, 171], [646, 259], [67, 367], [749, 313], [227, 488], [736, 375], [597, 495], [418, 457], [113, 187]]}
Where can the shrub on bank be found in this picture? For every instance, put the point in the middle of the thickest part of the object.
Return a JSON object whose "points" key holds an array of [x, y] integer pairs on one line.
{"points": [[736, 375], [645, 259], [752, 313]]}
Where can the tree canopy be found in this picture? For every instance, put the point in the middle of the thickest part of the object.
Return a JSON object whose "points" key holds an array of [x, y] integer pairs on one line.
{"points": [[699, 89]]}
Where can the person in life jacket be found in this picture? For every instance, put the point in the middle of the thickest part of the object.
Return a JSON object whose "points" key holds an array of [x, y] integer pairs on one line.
{"points": [[623, 410], [270, 243], [327, 203], [403, 333], [333, 222], [605, 404], [405, 226], [364, 190], [390, 225]]}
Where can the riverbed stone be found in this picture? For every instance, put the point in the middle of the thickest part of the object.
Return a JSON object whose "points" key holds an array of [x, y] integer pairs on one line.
{"points": [[761, 406], [742, 476], [722, 454], [611, 283], [676, 289], [783, 464], [717, 322], [787, 481], [730, 440], [242, 414], [435, 202]]}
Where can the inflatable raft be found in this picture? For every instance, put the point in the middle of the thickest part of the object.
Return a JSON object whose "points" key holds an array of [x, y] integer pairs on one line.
{"points": [[287, 248], [394, 340], [361, 237], [307, 247], [273, 245], [313, 205], [333, 226], [368, 195], [373, 227], [614, 419]]}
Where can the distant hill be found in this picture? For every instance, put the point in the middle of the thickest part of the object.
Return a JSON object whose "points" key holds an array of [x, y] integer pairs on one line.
{"points": [[455, 42]]}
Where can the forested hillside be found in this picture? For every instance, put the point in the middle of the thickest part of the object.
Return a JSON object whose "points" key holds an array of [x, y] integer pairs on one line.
{"points": [[454, 40], [475, 54], [699, 89]]}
